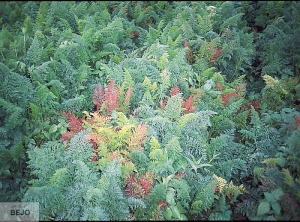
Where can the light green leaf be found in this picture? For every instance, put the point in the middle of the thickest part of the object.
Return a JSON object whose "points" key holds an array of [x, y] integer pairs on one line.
{"points": [[114, 114], [197, 204], [263, 208], [270, 197], [204, 165], [86, 114], [183, 217], [53, 129], [175, 212], [168, 214], [192, 163], [207, 87], [167, 179], [270, 218], [277, 193], [180, 208], [276, 207], [170, 196]]}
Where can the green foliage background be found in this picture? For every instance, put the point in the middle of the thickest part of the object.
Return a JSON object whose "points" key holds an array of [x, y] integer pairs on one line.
{"points": [[224, 145]]}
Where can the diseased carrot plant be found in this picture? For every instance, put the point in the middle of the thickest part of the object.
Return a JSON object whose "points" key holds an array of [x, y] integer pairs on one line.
{"points": [[151, 110]]}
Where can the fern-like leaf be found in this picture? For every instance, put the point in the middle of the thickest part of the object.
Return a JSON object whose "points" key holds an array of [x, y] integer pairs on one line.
{"points": [[111, 97], [138, 137], [99, 96], [74, 126], [175, 90], [188, 105]]}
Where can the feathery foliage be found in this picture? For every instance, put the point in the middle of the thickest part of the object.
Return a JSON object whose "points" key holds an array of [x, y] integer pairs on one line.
{"points": [[151, 110]]}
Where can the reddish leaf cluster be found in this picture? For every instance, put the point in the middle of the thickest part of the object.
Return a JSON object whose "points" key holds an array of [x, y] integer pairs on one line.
{"points": [[189, 54], [297, 119], [95, 157], [256, 103], [130, 179], [216, 55], [290, 203], [226, 98], [163, 103], [95, 139], [219, 86], [111, 97], [179, 175], [188, 105], [174, 91], [74, 126], [162, 204], [99, 96], [134, 34], [136, 188], [145, 185], [94, 144], [186, 44]]}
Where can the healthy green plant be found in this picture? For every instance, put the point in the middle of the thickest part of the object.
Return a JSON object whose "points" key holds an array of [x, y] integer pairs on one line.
{"points": [[16, 93], [283, 92]]}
